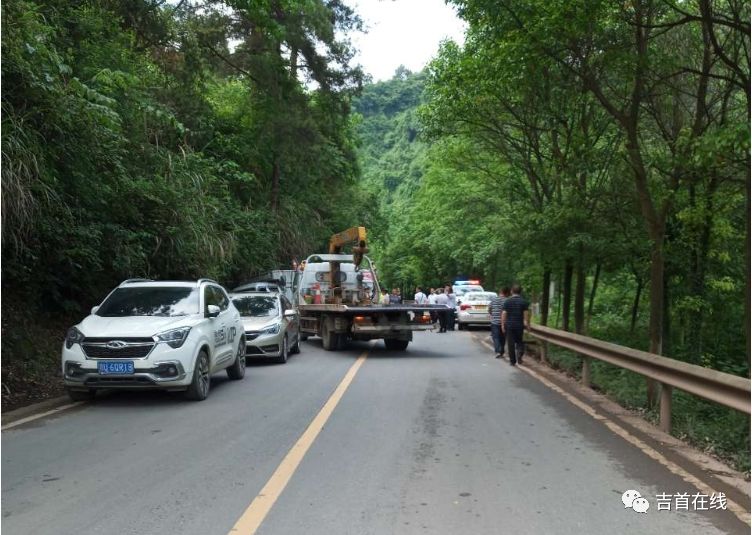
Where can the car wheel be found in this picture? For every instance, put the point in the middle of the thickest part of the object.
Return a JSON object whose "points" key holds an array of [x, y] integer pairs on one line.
{"points": [[396, 345], [199, 387], [81, 395], [303, 337], [284, 353], [460, 326], [295, 349], [237, 370]]}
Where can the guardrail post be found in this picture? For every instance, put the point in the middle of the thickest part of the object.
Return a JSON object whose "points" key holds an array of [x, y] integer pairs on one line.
{"points": [[544, 352], [586, 371], [665, 422]]}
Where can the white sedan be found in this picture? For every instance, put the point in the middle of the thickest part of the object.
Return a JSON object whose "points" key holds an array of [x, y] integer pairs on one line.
{"points": [[474, 309]]}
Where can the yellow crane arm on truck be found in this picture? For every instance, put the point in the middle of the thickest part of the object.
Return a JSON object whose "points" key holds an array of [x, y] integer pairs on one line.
{"points": [[354, 235]]}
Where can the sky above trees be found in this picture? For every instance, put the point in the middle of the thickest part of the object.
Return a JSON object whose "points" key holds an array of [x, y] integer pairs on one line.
{"points": [[403, 32]]}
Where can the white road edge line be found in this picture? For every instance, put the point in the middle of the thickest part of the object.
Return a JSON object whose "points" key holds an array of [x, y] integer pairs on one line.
{"points": [[40, 415], [734, 507]]}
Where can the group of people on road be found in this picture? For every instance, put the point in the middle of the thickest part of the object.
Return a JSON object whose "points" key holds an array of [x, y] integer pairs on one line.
{"points": [[509, 313], [439, 296], [510, 316]]}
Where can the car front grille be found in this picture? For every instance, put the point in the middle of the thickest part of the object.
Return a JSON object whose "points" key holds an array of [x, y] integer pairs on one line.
{"points": [[251, 335], [133, 348]]}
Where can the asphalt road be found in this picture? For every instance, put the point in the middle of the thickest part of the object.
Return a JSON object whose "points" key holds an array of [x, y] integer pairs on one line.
{"points": [[440, 439]]}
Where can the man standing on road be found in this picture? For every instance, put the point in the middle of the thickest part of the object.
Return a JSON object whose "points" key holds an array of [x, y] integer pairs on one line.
{"points": [[515, 317], [394, 297], [384, 300], [452, 304], [442, 299], [495, 308], [420, 297]]}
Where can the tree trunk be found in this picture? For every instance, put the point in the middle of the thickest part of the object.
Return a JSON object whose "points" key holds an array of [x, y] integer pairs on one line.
{"points": [[656, 312], [594, 288], [545, 296], [567, 297], [666, 323], [579, 300], [636, 304], [275, 186]]}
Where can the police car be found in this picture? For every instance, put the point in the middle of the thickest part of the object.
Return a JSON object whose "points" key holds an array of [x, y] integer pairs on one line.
{"points": [[155, 335]]}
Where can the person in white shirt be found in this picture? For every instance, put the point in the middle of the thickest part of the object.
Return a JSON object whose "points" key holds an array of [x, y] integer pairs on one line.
{"points": [[432, 301], [442, 299], [420, 297], [452, 304]]}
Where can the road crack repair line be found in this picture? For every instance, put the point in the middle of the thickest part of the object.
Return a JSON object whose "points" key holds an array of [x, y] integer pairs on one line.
{"points": [[739, 511], [254, 515]]}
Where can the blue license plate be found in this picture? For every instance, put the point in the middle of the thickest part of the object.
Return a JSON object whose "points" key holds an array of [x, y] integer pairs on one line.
{"points": [[109, 367]]}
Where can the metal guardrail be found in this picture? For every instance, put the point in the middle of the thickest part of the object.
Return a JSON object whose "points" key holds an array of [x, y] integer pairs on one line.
{"points": [[722, 388]]}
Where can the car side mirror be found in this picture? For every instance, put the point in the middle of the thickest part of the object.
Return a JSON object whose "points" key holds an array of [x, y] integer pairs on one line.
{"points": [[94, 309], [212, 311], [290, 313]]}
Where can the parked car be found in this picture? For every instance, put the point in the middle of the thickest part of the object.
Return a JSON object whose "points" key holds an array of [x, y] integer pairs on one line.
{"points": [[463, 289], [155, 334], [474, 309], [270, 324]]}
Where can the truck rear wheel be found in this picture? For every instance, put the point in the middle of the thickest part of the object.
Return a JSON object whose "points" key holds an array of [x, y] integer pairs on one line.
{"points": [[396, 345], [329, 339]]}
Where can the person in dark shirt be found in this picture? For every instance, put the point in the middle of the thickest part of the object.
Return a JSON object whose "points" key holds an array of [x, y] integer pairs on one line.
{"points": [[515, 317], [495, 308]]}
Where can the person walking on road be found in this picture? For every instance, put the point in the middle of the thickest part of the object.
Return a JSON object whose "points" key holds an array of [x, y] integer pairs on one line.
{"points": [[432, 301], [495, 308], [515, 317], [395, 298], [420, 297], [452, 304], [442, 299], [384, 300]]}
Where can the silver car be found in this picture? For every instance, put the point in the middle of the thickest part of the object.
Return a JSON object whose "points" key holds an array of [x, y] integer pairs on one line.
{"points": [[474, 309], [271, 325]]}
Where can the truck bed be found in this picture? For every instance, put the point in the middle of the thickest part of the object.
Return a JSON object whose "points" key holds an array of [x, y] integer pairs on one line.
{"points": [[369, 309]]}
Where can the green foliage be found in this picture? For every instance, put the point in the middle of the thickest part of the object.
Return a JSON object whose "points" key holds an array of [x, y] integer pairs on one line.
{"points": [[559, 143], [135, 143]]}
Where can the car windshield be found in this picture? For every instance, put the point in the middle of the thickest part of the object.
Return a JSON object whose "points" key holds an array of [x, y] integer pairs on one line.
{"points": [[256, 306], [480, 296], [151, 301]]}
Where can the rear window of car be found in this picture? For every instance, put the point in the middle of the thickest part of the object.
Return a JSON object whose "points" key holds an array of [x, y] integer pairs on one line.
{"points": [[151, 301], [462, 290], [479, 296], [256, 306]]}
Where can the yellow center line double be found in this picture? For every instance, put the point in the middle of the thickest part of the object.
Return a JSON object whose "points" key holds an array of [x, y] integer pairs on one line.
{"points": [[255, 514]]}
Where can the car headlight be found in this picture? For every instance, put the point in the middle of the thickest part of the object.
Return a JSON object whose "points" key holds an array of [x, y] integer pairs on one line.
{"points": [[271, 329], [174, 338], [73, 336]]}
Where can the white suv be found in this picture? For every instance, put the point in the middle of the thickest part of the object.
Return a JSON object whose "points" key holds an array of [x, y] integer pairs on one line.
{"points": [[155, 335]]}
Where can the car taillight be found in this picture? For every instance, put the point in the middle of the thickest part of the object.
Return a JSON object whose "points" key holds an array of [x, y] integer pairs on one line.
{"points": [[465, 307]]}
